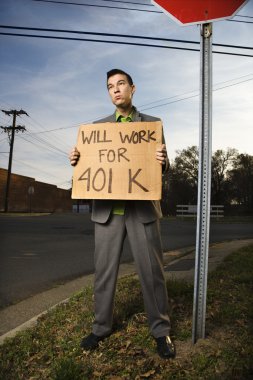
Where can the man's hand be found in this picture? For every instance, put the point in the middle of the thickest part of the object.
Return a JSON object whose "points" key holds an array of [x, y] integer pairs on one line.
{"points": [[74, 156], [161, 154]]}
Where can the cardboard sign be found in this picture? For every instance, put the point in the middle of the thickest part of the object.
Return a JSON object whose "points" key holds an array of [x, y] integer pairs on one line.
{"points": [[117, 161]]}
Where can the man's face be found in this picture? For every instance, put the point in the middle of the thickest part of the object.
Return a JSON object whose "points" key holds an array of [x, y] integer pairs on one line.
{"points": [[120, 90]]}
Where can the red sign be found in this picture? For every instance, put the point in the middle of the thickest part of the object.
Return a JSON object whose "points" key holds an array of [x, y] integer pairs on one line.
{"points": [[199, 11]]}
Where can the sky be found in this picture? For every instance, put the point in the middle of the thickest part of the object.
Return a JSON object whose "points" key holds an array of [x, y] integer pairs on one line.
{"points": [[61, 84]]}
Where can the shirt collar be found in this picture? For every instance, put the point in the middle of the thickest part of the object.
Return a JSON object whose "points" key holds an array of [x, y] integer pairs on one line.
{"points": [[119, 117]]}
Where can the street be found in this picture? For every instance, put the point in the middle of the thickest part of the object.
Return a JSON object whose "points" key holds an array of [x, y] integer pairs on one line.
{"points": [[39, 252]]}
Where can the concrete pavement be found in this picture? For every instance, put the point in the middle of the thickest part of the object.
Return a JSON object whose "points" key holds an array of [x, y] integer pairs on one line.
{"points": [[179, 264]]}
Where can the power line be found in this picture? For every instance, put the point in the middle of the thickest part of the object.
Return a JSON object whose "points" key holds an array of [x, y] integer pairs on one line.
{"points": [[57, 140], [92, 40], [186, 93], [58, 129], [147, 104], [97, 6], [124, 2], [243, 16], [48, 144], [127, 2], [193, 96], [118, 1], [51, 148], [117, 42], [119, 35], [37, 169], [244, 22], [98, 34]]}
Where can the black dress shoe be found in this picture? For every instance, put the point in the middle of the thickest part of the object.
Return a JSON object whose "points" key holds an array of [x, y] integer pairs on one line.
{"points": [[91, 342], [165, 347]]}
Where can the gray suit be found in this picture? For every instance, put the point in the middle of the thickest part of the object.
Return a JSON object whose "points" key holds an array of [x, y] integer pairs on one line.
{"points": [[141, 223]]}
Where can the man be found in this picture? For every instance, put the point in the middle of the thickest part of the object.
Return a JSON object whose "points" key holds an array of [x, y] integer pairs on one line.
{"points": [[140, 221]]}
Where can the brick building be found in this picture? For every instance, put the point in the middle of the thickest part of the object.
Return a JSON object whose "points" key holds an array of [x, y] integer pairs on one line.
{"points": [[28, 195]]}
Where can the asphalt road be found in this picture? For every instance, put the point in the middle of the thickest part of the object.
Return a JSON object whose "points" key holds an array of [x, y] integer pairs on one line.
{"points": [[38, 252]]}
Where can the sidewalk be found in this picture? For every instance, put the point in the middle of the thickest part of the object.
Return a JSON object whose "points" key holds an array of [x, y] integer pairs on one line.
{"points": [[179, 264]]}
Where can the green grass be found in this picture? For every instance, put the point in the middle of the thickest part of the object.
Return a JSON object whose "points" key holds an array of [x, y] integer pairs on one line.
{"points": [[51, 349]]}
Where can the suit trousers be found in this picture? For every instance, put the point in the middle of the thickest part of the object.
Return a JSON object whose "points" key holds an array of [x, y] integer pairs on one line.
{"points": [[146, 247]]}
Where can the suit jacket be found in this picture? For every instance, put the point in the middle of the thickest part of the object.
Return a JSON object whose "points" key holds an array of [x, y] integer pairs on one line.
{"points": [[147, 211]]}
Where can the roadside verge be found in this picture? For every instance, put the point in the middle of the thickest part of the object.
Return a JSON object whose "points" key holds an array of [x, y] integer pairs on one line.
{"points": [[179, 264]]}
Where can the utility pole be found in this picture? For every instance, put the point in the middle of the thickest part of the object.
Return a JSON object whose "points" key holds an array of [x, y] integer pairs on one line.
{"points": [[11, 134]]}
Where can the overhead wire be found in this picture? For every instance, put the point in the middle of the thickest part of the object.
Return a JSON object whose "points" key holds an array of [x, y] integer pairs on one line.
{"points": [[127, 2], [53, 148], [35, 168], [50, 145], [243, 16], [57, 140], [125, 8], [119, 43], [156, 101], [119, 35], [244, 22], [144, 105], [31, 166], [45, 144], [27, 121], [42, 145], [122, 2], [97, 6], [58, 129], [186, 93], [193, 96], [94, 40], [42, 141]]}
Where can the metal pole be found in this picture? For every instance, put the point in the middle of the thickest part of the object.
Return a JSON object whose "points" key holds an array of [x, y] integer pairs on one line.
{"points": [[204, 185], [10, 162]]}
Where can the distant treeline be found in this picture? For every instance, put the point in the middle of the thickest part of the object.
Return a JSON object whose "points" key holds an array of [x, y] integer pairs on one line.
{"points": [[231, 186]]}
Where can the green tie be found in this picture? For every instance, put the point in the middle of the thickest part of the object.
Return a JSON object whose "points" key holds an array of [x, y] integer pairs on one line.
{"points": [[119, 205]]}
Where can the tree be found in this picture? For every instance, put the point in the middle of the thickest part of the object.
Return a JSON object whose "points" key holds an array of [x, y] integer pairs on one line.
{"points": [[221, 162], [186, 164], [231, 179], [180, 184], [241, 178]]}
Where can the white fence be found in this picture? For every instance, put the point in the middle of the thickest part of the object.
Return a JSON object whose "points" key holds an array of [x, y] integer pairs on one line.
{"points": [[185, 211]]}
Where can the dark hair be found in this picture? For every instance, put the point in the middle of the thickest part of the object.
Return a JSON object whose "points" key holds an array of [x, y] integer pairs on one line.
{"points": [[118, 71]]}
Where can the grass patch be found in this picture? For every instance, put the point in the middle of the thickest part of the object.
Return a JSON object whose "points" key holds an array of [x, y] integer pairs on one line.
{"points": [[51, 349]]}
